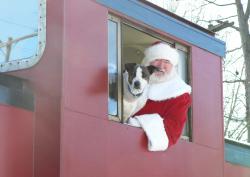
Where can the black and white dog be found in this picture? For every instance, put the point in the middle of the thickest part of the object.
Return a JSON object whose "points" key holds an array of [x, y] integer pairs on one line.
{"points": [[135, 88]]}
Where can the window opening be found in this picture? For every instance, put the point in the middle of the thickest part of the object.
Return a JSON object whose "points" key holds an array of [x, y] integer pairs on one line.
{"points": [[129, 49]]}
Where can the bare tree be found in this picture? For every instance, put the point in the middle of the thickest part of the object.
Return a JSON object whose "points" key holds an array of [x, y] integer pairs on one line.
{"points": [[243, 18], [235, 98], [236, 81]]}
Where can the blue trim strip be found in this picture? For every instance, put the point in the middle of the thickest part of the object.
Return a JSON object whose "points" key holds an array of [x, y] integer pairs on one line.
{"points": [[150, 16], [237, 154]]}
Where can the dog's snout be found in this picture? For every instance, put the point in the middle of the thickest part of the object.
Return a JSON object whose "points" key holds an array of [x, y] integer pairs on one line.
{"points": [[137, 84]]}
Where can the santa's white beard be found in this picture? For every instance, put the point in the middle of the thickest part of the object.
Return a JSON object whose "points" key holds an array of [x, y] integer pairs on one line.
{"points": [[154, 78]]}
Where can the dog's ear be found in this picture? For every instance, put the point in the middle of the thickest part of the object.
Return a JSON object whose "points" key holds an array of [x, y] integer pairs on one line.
{"points": [[129, 66], [152, 69]]}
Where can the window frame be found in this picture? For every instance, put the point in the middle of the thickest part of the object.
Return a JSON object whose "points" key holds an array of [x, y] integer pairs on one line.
{"points": [[122, 21], [19, 64], [119, 72]]}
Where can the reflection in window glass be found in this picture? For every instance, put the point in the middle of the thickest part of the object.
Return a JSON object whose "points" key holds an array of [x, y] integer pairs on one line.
{"points": [[19, 25], [112, 68]]}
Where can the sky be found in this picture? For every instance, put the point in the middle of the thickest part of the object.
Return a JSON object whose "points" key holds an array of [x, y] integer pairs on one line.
{"points": [[17, 19]]}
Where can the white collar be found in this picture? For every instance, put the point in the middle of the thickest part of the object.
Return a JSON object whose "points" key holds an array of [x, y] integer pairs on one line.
{"points": [[169, 89]]}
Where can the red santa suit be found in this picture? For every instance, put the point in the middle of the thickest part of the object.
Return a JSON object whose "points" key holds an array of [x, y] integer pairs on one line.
{"points": [[170, 101], [165, 113]]}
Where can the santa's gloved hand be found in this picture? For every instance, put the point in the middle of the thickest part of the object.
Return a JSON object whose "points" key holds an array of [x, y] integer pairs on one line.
{"points": [[153, 126], [134, 122]]}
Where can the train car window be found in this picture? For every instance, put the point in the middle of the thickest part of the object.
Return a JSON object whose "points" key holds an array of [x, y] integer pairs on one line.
{"points": [[22, 39], [126, 45]]}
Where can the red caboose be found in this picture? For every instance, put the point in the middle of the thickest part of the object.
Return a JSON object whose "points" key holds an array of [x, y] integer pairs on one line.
{"points": [[61, 117]]}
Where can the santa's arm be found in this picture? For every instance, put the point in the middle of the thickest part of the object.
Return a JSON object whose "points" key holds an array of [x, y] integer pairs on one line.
{"points": [[175, 118]]}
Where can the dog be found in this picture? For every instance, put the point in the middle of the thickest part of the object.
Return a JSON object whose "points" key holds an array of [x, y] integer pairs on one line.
{"points": [[135, 88]]}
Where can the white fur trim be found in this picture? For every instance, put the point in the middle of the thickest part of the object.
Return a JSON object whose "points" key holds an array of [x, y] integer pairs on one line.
{"points": [[133, 122], [169, 89], [153, 126], [160, 51]]}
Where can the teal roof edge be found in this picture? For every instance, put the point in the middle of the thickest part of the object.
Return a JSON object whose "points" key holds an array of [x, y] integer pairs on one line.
{"points": [[153, 17]]}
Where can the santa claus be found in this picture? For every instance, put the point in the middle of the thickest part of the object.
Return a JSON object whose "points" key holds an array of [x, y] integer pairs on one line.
{"points": [[165, 113]]}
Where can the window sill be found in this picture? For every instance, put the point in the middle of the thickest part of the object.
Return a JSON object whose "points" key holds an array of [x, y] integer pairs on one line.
{"points": [[117, 120]]}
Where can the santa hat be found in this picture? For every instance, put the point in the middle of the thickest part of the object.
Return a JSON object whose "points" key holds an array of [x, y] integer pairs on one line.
{"points": [[160, 50]]}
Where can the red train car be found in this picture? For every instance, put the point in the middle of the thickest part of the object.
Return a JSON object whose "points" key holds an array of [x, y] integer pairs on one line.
{"points": [[59, 117]]}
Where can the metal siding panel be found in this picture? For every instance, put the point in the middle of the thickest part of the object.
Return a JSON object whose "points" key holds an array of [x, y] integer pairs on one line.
{"points": [[16, 142], [83, 148], [158, 20], [47, 139], [236, 170], [207, 99], [86, 58], [45, 79], [102, 148]]}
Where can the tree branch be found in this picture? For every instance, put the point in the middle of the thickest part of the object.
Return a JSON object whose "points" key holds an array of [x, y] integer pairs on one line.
{"points": [[247, 10], [234, 81], [200, 7], [240, 10], [235, 27], [228, 51], [17, 40], [224, 18], [213, 2], [233, 102], [235, 60], [241, 133], [231, 26], [236, 129], [236, 119], [209, 21]]}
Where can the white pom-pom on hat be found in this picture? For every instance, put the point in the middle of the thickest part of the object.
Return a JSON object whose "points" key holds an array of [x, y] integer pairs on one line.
{"points": [[160, 50]]}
